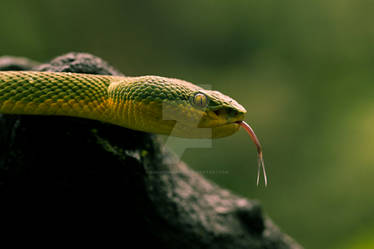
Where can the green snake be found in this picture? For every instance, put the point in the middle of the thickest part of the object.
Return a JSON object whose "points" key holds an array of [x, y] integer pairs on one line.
{"points": [[145, 103]]}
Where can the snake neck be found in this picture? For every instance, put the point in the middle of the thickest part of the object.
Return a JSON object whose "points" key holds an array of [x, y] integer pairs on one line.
{"points": [[128, 106]]}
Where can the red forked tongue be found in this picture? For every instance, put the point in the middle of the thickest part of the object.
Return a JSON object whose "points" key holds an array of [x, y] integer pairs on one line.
{"points": [[259, 151]]}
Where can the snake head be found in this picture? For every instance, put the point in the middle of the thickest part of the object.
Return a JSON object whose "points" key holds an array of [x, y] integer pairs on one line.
{"points": [[174, 107], [221, 113]]}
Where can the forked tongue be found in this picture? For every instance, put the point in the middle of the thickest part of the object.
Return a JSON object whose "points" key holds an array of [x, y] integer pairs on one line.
{"points": [[259, 151]]}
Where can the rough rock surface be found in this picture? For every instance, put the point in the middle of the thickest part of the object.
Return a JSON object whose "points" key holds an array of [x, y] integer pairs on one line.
{"points": [[112, 183]]}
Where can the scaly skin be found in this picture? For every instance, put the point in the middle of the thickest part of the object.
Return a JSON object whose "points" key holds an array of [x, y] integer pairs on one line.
{"points": [[146, 103]]}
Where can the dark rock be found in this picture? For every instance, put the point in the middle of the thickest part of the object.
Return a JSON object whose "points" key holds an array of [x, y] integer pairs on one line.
{"points": [[78, 63], [117, 185], [11, 63]]}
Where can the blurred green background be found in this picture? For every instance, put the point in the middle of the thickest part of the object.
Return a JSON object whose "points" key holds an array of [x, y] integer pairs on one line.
{"points": [[303, 69]]}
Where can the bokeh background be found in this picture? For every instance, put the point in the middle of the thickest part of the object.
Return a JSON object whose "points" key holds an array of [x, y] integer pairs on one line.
{"points": [[303, 69]]}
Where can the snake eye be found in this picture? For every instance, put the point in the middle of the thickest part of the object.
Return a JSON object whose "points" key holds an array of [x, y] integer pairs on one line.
{"points": [[200, 100]]}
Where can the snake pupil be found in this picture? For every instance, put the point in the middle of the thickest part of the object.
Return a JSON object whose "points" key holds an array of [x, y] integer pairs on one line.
{"points": [[200, 100]]}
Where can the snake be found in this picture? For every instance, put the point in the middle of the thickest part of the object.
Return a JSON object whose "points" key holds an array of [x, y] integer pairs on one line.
{"points": [[145, 103]]}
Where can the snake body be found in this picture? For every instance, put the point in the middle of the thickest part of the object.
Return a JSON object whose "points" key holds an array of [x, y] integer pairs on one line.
{"points": [[146, 103]]}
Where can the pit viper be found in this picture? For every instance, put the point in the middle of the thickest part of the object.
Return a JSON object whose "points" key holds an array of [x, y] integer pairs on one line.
{"points": [[146, 103]]}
